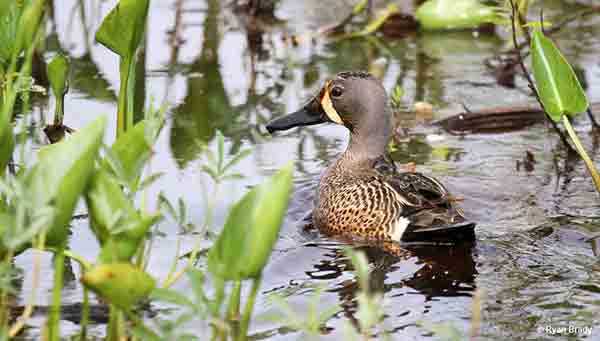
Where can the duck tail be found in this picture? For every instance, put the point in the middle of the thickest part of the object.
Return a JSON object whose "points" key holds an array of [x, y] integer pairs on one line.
{"points": [[442, 234]]}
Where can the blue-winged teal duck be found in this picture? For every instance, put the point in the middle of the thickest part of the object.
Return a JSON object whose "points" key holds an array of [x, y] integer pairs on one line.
{"points": [[362, 194]]}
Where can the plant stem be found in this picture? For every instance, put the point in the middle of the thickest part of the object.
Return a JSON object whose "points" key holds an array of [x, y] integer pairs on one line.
{"points": [[245, 322], [79, 259], [122, 105], [582, 153], [138, 322], [218, 331], [60, 110], [130, 112], [85, 314], [173, 268], [54, 319], [112, 333], [16, 328], [233, 309], [3, 298]]}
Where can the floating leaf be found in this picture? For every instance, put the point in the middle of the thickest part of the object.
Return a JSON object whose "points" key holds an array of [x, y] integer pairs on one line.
{"points": [[455, 14], [557, 85], [121, 284], [245, 244]]}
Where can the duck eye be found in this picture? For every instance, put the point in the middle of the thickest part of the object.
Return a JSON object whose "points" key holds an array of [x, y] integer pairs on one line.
{"points": [[336, 92]]}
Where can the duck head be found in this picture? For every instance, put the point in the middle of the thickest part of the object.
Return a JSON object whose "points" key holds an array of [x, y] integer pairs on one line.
{"points": [[355, 100]]}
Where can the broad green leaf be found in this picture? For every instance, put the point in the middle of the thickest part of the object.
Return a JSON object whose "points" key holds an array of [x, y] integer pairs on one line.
{"points": [[245, 244], [455, 14], [557, 85], [61, 174], [28, 24], [123, 28], [58, 75], [121, 284], [122, 31], [10, 13], [119, 227], [117, 224]]}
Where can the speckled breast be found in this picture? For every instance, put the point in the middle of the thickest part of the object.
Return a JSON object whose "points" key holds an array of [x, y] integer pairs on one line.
{"points": [[362, 207]]}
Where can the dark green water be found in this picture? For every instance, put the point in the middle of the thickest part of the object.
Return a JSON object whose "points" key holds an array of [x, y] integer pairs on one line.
{"points": [[535, 261]]}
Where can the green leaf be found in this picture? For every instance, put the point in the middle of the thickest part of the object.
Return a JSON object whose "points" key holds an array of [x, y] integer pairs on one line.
{"points": [[106, 203], [58, 75], [197, 279], [120, 236], [123, 28], [132, 150], [245, 244], [7, 141], [361, 267], [557, 85], [62, 173], [149, 180], [171, 296], [28, 25], [121, 32], [377, 22], [121, 284], [236, 159], [455, 14], [10, 13]]}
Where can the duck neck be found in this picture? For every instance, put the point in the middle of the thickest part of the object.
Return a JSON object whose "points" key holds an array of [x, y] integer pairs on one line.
{"points": [[368, 140]]}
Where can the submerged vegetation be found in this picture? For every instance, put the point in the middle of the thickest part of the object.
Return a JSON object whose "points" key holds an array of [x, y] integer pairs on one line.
{"points": [[44, 190]]}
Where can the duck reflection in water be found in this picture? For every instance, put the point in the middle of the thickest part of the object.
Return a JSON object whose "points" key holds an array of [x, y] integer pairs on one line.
{"points": [[435, 271]]}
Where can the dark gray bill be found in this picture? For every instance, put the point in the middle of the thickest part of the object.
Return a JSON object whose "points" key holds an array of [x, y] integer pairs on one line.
{"points": [[309, 115]]}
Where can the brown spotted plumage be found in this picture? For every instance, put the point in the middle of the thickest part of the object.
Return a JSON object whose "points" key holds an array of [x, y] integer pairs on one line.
{"points": [[362, 194]]}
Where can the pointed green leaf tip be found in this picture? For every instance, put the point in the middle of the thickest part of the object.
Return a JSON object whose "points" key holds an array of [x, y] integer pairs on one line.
{"points": [[121, 284], [245, 244], [58, 74], [123, 28], [557, 85]]}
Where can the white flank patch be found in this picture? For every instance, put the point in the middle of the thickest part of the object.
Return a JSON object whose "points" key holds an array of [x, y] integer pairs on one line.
{"points": [[399, 227]]}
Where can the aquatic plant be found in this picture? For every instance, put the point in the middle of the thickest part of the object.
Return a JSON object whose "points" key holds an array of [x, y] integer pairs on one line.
{"points": [[456, 14], [556, 88], [58, 75], [122, 31]]}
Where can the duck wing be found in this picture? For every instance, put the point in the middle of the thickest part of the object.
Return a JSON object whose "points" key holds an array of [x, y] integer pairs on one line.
{"points": [[427, 204]]}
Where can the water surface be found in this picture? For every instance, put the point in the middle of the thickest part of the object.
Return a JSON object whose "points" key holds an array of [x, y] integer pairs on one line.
{"points": [[535, 262]]}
